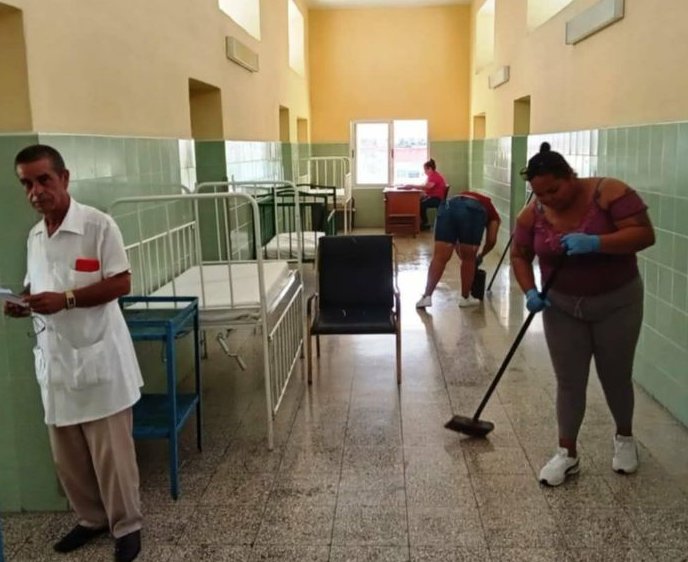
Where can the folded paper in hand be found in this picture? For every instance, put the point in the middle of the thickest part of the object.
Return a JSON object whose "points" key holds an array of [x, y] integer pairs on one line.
{"points": [[9, 296]]}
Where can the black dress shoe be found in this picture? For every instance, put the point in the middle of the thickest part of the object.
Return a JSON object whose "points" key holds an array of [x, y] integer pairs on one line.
{"points": [[77, 537], [128, 547]]}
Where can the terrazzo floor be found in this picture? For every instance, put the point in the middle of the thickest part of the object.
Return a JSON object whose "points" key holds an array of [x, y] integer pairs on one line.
{"points": [[364, 471]]}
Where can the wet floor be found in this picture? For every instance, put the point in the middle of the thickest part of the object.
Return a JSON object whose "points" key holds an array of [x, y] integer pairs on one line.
{"points": [[363, 470]]}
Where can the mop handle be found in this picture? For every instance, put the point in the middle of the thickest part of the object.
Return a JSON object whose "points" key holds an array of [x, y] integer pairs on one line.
{"points": [[517, 341], [501, 259], [506, 249]]}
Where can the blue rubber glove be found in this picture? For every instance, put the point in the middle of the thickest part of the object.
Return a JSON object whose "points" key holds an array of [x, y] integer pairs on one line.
{"points": [[535, 302], [579, 243]]}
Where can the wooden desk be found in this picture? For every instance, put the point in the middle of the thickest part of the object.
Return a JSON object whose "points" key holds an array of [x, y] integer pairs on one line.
{"points": [[402, 210]]}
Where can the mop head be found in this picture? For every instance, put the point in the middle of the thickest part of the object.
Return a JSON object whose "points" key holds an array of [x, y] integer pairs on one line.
{"points": [[469, 426]]}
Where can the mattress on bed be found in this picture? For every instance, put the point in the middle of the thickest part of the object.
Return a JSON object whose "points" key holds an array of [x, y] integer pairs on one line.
{"points": [[216, 303], [288, 245]]}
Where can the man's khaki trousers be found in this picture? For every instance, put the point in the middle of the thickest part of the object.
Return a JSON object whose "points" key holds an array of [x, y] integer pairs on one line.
{"points": [[96, 464]]}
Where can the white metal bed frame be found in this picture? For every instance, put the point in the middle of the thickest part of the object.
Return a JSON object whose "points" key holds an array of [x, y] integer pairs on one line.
{"points": [[160, 258], [283, 250], [334, 171]]}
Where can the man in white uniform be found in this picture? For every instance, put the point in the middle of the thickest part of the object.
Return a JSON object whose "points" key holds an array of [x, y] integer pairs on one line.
{"points": [[84, 357]]}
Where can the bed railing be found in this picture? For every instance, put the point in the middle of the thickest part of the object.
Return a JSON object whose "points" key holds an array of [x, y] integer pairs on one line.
{"points": [[270, 197], [333, 171], [218, 232], [164, 237]]}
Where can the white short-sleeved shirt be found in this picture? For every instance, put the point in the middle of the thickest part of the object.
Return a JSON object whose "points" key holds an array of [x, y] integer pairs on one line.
{"points": [[84, 357]]}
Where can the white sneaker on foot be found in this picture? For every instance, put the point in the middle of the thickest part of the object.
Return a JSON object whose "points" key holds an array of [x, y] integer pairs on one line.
{"points": [[468, 301], [625, 459], [424, 302], [558, 468]]}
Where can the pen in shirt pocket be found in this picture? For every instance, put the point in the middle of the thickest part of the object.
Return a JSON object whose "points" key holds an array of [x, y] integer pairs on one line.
{"points": [[87, 264]]}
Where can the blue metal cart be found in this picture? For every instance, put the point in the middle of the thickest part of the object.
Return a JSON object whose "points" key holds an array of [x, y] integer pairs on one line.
{"points": [[162, 416], [2, 550]]}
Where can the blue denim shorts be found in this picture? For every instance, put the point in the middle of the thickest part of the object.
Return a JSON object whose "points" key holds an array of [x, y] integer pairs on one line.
{"points": [[460, 220]]}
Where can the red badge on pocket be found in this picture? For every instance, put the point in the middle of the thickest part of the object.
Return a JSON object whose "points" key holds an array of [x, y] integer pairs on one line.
{"points": [[87, 264]]}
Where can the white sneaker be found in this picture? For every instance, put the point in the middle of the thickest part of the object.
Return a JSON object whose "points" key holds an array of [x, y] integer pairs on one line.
{"points": [[558, 468], [468, 301], [625, 459], [424, 301]]}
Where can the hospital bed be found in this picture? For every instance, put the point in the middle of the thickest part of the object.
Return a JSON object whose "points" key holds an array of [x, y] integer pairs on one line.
{"points": [[281, 228], [208, 245], [330, 175]]}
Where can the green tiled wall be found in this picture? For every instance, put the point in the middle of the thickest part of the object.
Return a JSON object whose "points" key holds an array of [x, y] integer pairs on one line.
{"points": [[491, 174], [494, 170], [211, 162], [652, 159], [102, 170], [27, 479], [476, 158], [216, 161], [244, 160], [330, 149], [304, 152], [370, 211], [258, 160], [519, 192], [451, 158]]}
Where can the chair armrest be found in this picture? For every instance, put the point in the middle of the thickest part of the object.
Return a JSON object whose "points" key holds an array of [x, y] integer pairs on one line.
{"points": [[396, 271]]}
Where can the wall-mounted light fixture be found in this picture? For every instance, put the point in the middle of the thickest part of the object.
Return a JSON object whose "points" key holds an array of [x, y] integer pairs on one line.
{"points": [[595, 18], [499, 77]]}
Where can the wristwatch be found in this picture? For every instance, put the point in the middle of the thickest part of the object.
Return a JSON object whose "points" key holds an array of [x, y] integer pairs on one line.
{"points": [[70, 300]]}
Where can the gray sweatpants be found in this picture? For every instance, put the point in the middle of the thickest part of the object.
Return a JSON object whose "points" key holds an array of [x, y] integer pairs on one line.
{"points": [[605, 327]]}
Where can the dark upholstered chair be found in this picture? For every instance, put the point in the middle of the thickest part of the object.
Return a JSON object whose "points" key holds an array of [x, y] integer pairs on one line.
{"points": [[356, 292]]}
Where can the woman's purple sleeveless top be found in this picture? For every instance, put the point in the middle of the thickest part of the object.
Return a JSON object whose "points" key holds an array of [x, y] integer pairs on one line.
{"points": [[587, 274]]}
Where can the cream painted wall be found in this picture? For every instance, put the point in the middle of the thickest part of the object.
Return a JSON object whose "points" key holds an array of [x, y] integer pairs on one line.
{"points": [[400, 63], [15, 109], [98, 66], [629, 73]]}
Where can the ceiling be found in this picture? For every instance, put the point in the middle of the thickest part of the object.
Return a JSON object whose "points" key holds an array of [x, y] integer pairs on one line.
{"points": [[380, 3]]}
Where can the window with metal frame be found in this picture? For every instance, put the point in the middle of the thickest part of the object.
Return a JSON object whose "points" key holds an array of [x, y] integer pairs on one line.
{"points": [[246, 13]]}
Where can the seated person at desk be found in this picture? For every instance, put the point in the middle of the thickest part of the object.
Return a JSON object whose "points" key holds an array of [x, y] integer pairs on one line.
{"points": [[459, 227], [433, 191]]}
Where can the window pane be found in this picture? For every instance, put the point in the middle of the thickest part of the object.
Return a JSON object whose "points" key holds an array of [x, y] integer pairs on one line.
{"points": [[372, 152], [410, 151], [244, 12], [484, 35], [296, 41], [539, 11]]}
